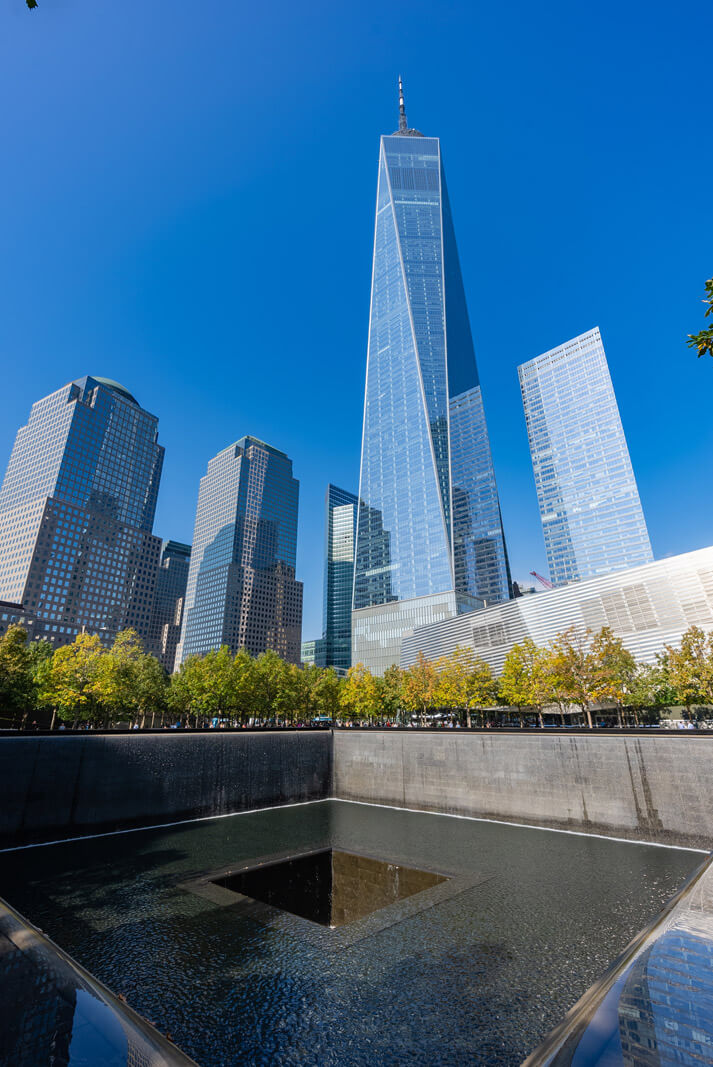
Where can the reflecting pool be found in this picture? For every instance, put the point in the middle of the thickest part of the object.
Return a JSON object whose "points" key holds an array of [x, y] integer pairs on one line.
{"points": [[456, 942]]}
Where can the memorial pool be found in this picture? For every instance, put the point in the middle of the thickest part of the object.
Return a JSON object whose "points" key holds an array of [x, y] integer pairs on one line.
{"points": [[476, 967]]}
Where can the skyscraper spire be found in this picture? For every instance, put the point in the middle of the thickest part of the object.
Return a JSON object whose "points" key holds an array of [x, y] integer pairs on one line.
{"points": [[403, 124]]}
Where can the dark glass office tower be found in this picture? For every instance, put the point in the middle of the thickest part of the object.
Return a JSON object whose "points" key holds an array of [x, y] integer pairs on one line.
{"points": [[430, 540], [76, 513], [340, 539], [241, 589], [167, 618], [334, 647]]}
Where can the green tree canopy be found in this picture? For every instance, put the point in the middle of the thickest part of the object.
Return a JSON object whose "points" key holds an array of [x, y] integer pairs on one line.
{"points": [[17, 684], [703, 340], [74, 688]]}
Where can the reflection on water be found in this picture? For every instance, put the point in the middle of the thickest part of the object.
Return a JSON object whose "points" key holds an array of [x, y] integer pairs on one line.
{"points": [[479, 977], [51, 1012], [330, 887], [666, 1006]]}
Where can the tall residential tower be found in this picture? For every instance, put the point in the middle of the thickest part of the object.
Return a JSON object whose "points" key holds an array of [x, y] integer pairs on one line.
{"points": [[430, 540], [76, 513], [589, 503], [241, 583]]}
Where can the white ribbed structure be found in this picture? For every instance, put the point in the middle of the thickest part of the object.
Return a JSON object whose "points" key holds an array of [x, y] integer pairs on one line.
{"points": [[647, 607]]}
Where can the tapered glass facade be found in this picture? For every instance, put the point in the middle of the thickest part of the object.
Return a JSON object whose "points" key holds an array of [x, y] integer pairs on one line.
{"points": [[429, 516], [76, 512], [241, 588], [591, 513]]}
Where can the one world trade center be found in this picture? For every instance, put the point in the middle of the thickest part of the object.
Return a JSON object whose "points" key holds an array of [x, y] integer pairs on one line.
{"points": [[430, 540]]}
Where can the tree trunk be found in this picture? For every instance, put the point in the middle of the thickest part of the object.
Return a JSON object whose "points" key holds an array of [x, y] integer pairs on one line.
{"points": [[589, 718], [54, 718]]}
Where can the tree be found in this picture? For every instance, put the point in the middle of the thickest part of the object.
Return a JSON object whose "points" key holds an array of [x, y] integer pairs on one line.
{"points": [[390, 687], [703, 341], [571, 670], [360, 693], [270, 683], [243, 683], [613, 669], [325, 691], [17, 686], [420, 687], [464, 682], [186, 689], [116, 684], [689, 668], [73, 684], [152, 688], [650, 688], [523, 682], [41, 653]]}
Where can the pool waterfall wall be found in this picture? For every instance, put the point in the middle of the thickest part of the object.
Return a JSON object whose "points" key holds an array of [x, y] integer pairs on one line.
{"points": [[651, 787], [55, 786]]}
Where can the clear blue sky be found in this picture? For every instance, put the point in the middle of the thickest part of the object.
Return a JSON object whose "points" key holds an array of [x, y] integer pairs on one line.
{"points": [[187, 198]]}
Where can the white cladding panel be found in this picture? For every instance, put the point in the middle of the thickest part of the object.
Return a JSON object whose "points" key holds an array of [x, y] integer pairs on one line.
{"points": [[647, 607]]}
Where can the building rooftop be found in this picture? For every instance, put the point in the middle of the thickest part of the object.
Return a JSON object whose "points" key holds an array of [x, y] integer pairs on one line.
{"points": [[115, 387]]}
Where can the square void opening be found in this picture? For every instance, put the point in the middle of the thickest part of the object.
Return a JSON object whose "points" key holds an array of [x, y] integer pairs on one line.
{"points": [[330, 887]]}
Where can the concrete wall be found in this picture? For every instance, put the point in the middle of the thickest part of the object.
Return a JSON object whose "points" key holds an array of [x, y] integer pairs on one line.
{"points": [[653, 787], [60, 786]]}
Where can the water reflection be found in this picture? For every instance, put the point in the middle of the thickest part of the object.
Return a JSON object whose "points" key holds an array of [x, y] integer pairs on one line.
{"points": [[479, 977], [330, 887]]}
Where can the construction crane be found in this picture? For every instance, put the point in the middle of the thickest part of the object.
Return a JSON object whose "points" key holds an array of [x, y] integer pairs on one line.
{"points": [[541, 580]]}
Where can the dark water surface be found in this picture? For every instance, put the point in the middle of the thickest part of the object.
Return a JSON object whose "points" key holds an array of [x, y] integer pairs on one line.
{"points": [[477, 972]]}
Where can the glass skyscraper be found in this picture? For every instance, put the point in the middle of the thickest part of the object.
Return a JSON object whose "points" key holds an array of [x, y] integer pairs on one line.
{"points": [[340, 541], [167, 617], [241, 588], [76, 512], [334, 648], [589, 503], [430, 539]]}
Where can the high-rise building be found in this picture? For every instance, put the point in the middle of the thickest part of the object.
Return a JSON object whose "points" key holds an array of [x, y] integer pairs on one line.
{"points": [[334, 648], [340, 541], [76, 513], [241, 588], [430, 540], [167, 618], [589, 503]]}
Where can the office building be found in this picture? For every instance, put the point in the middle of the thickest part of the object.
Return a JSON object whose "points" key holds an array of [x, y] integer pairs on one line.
{"points": [[334, 648], [430, 539], [15, 615], [340, 541], [76, 513], [241, 588], [308, 655], [589, 502], [167, 618], [647, 607]]}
